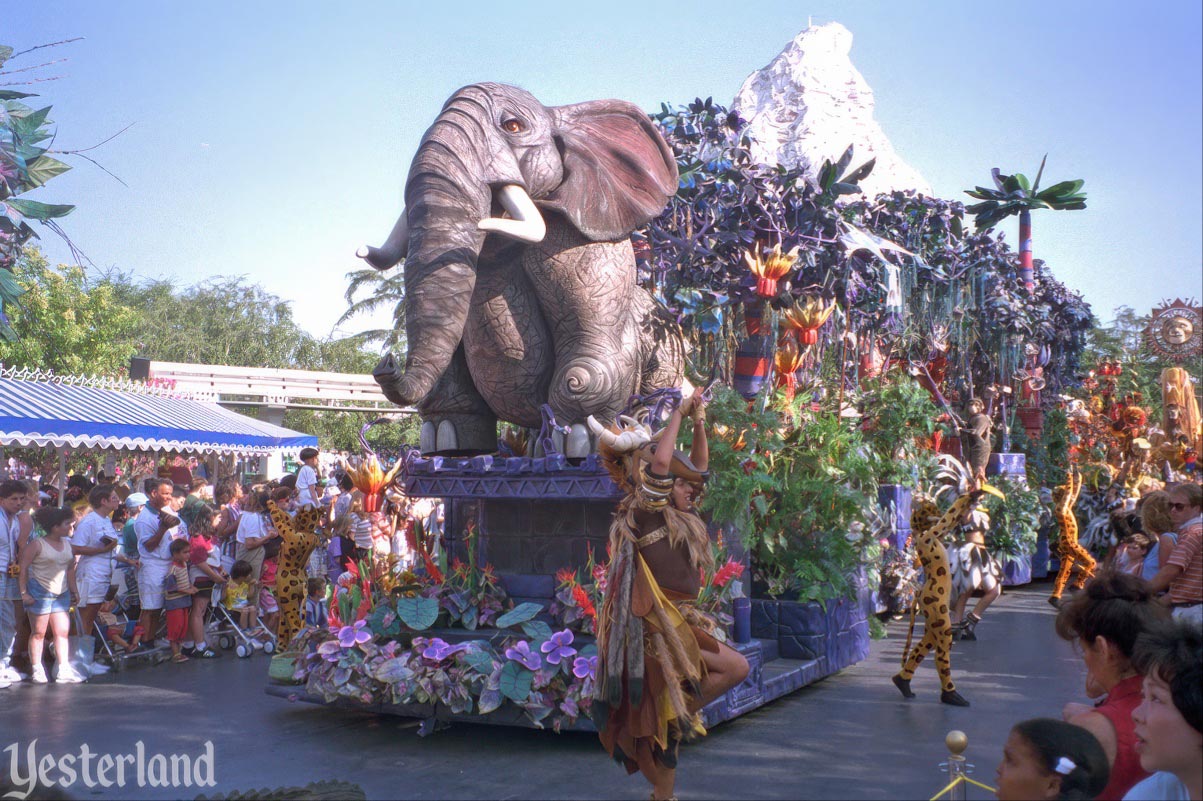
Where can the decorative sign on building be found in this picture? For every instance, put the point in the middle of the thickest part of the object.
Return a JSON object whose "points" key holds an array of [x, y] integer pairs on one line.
{"points": [[1175, 330]]}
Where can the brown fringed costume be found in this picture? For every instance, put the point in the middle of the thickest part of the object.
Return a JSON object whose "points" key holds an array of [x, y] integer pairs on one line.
{"points": [[650, 636]]}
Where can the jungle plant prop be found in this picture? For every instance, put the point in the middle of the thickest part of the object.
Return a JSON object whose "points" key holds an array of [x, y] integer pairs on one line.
{"points": [[900, 422], [1013, 194], [1015, 519], [797, 491]]}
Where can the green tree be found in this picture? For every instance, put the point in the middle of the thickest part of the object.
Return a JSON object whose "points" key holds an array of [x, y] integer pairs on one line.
{"points": [[1015, 195], [385, 288], [64, 323], [222, 320]]}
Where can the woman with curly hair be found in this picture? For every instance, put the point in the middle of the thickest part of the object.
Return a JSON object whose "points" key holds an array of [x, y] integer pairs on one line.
{"points": [[658, 661], [1104, 621]]}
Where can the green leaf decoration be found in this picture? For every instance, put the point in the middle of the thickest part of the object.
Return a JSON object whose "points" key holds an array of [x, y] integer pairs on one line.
{"points": [[861, 172], [519, 614], [9, 94], [44, 168], [515, 682], [418, 614], [392, 671], [1055, 191], [6, 53], [40, 211], [537, 630], [25, 125], [480, 661], [470, 618]]}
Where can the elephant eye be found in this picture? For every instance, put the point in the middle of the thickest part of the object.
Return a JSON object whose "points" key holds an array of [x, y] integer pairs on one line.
{"points": [[514, 125]]}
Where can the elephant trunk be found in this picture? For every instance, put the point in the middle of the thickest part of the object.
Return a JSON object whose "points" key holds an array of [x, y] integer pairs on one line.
{"points": [[446, 197]]}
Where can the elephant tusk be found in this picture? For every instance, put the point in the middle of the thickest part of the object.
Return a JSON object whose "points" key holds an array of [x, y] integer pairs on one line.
{"points": [[527, 225], [605, 435], [393, 250]]}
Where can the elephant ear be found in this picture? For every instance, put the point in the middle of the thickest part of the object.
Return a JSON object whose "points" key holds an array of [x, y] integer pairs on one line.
{"points": [[618, 171]]}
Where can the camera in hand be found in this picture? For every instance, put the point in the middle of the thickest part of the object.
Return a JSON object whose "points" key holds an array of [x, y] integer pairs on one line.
{"points": [[168, 519]]}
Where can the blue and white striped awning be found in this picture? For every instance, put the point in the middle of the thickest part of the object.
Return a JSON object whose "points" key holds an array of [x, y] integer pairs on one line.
{"points": [[79, 415]]}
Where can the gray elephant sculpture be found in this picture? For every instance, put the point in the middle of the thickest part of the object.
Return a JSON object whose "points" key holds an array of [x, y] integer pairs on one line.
{"points": [[519, 272]]}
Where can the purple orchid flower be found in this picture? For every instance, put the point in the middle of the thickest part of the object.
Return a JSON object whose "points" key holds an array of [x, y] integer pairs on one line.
{"points": [[330, 650], [558, 648], [437, 650], [521, 653], [584, 666], [350, 636]]}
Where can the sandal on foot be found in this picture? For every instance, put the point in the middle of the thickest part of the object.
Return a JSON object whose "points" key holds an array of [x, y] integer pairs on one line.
{"points": [[179, 658]]}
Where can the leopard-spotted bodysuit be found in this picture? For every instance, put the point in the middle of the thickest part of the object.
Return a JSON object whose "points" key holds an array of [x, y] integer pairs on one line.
{"points": [[1066, 497], [297, 541], [934, 597]]}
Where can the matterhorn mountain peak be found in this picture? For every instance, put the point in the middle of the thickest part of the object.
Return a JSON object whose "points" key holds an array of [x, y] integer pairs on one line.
{"points": [[810, 103]]}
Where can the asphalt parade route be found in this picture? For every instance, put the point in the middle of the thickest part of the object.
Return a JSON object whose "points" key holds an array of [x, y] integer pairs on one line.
{"points": [[851, 735]]}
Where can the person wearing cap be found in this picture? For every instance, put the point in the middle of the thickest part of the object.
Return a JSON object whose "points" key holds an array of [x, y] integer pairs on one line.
{"points": [[658, 661], [127, 558]]}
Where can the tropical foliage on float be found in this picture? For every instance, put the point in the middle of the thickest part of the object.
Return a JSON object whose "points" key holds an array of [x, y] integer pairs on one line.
{"points": [[383, 643]]}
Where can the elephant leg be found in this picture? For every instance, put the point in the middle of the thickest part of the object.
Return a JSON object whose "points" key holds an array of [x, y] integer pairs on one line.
{"points": [[584, 289], [507, 343], [662, 347], [455, 418]]}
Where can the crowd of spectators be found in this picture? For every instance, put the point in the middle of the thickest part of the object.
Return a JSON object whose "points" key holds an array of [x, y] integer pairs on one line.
{"points": [[141, 561]]}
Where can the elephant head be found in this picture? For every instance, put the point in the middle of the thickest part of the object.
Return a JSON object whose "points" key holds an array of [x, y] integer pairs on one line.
{"points": [[493, 162]]}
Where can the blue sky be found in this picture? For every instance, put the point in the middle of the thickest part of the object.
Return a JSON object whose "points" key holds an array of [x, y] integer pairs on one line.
{"points": [[272, 139]]}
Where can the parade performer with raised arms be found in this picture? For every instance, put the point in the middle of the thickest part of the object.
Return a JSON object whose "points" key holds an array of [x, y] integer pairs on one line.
{"points": [[1066, 497], [658, 663], [928, 528]]}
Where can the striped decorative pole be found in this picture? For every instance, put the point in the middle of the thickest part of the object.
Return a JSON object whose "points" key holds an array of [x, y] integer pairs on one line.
{"points": [[1025, 250]]}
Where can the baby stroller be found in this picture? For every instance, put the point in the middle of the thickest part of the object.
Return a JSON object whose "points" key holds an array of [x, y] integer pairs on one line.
{"points": [[223, 623], [114, 655]]}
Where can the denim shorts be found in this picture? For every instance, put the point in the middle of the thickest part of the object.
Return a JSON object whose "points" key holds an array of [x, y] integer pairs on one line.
{"points": [[44, 602]]}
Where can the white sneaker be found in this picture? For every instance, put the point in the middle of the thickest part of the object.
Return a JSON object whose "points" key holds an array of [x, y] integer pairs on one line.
{"points": [[258, 646], [39, 675], [5, 684], [67, 675], [11, 674]]}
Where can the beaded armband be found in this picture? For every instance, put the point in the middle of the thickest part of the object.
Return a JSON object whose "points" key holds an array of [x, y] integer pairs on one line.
{"points": [[653, 491]]}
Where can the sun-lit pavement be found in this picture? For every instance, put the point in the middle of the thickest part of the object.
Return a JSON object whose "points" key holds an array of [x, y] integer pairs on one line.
{"points": [[849, 736]]}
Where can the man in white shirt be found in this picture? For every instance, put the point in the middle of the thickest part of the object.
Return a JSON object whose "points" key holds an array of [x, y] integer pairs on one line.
{"points": [[308, 491], [155, 528], [12, 497], [94, 541]]}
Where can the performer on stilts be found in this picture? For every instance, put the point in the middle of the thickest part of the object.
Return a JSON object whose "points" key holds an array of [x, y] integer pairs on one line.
{"points": [[658, 663], [1065, 498], [928, 528]]}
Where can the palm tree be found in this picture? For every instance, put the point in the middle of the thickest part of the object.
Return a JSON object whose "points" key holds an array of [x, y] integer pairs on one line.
{"points": [[1014, 195], [385, 288]]}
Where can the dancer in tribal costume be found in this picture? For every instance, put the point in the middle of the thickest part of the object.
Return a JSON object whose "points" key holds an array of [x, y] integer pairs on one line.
{"points": [[658, 661]]}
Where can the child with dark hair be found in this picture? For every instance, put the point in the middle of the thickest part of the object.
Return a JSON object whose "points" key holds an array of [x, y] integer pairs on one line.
{"points": [[1046, 758], [317, 614], [1169, 720], [127, 635], [1103, 621], [177, 598]]}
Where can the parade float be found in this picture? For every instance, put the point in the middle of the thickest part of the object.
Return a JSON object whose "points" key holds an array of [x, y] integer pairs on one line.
{"points": [[841, 336]]}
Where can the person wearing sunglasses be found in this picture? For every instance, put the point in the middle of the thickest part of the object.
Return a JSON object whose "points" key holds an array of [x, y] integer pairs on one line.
{"points": [[1182, 575]]}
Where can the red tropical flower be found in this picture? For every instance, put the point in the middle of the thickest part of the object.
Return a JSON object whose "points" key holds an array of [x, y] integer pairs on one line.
{"points": [[582, 600], [565, 576], [432, 569], [731, 570]]}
